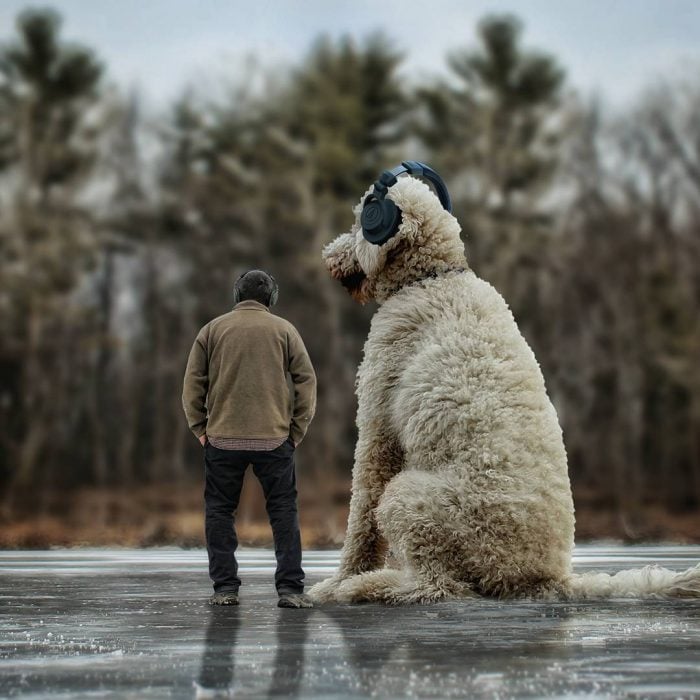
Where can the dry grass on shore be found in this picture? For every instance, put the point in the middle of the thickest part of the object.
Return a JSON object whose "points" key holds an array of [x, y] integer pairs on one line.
{"points": [[156, 516]]}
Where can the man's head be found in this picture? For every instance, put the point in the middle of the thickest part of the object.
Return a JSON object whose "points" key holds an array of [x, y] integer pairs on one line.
{"points": [[427, 242], [257, 285]]}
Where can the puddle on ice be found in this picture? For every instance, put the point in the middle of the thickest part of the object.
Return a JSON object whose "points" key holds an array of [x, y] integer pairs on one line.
{"points": [[135, 623]]}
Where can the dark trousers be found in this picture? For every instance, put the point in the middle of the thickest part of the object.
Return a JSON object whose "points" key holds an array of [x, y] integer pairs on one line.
{"points": [[224, 472]]}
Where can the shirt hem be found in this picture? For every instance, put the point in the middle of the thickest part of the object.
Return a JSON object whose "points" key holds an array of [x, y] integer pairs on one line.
{"points": [[247, 437]]}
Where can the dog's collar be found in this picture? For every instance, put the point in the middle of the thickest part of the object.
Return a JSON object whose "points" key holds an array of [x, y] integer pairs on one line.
{"points": [[437, 273]]}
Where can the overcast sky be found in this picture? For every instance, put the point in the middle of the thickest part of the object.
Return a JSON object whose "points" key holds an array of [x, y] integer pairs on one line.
{"points": [[611, 47]]}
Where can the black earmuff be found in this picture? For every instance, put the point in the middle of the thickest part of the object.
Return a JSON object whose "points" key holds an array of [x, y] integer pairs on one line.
{"points": [[381, 218], [274, 294], [236, 290]]}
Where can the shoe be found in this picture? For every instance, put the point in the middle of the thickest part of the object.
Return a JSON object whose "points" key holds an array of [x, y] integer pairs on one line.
{"points": [[224, 598], [294, 600]]}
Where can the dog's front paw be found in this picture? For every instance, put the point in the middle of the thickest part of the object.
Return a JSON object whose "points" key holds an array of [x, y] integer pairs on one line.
{"points": [[325, 591]]}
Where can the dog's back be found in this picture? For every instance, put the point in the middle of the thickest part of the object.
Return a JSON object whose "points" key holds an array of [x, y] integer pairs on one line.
{"points": [[469, 401]]}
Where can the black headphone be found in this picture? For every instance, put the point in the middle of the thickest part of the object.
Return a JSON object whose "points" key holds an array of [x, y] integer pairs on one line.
{"points": [[274, 294], [380, 216]]}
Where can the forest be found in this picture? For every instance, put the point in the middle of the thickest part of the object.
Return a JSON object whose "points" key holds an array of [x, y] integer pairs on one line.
{"points": [[122, 231]]}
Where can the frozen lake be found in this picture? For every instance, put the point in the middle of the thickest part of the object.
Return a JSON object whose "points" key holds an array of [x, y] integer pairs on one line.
{"points": [[135, 623]]}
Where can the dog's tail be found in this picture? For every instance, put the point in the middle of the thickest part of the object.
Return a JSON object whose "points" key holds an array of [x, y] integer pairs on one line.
{"points": [[648, 582]]}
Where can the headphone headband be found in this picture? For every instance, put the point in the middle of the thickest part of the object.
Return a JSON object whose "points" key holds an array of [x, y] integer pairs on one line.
{"points": [[274, 294], [380, 216], [414, 167]]}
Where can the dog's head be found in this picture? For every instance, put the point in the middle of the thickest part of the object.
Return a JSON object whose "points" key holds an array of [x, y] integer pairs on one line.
{"points": [[426, 243]]}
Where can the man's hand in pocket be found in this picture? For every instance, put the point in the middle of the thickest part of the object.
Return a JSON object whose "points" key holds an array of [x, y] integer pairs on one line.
{"points": [[203, 439]]}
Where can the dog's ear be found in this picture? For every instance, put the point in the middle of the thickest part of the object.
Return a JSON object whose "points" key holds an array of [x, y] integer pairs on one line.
{"points": [[396, 251]]}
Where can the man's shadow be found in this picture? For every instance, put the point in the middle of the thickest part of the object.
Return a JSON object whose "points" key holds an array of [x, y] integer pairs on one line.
{"points": [[216, 674], [223, 672], [292, 633]]}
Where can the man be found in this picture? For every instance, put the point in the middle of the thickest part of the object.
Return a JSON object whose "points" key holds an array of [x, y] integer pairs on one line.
{"points": [[237, 402]]}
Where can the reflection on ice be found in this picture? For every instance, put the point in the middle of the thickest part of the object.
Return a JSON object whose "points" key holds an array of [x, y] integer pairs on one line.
{"points": [[136, 623]]}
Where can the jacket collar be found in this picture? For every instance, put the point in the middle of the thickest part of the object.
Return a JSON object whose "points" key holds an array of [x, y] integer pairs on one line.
{"points": [[250, 304]]}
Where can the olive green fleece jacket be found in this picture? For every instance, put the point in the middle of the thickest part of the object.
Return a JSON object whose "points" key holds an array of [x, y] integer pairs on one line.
{"points": [[236, 378]]}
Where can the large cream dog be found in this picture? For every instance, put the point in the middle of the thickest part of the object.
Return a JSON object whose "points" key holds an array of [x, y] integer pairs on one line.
{"points": [[460, 484]]}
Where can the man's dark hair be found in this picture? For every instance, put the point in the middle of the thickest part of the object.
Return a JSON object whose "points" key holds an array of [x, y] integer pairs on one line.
{"points": [[256, 285]]}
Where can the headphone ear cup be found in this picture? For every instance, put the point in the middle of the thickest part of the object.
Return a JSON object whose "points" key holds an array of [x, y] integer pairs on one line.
{"points": [[380, 219], [274, 294], [236, 289]]}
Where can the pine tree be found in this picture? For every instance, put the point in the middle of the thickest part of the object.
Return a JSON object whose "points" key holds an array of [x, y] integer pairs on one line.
{"points": [[494, 128], [48, 92]]}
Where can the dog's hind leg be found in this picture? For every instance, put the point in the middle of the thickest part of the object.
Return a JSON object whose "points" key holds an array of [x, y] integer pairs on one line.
{"points": [[419, 515], [416, 515]]}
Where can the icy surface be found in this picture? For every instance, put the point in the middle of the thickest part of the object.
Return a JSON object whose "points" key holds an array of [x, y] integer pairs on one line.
{"points": [[135, 623]]}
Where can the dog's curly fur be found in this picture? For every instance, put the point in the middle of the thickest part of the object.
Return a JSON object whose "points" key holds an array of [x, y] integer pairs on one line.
{"points": [[460, 483]]}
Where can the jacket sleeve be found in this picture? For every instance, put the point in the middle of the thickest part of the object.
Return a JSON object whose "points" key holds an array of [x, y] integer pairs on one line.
{"points": [[304, 378], [196, 385]]}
